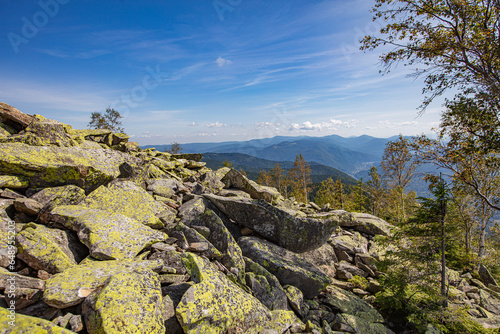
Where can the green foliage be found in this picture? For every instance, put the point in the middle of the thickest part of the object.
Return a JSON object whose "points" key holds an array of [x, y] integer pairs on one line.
{"points": [[300, 179], [227, 163], [110, 120]]}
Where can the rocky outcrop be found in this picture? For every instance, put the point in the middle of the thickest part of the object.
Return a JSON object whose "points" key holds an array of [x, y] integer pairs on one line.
{"points": [[100, 236]]}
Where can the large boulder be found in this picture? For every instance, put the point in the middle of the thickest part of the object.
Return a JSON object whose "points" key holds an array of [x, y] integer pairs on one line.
{"points": [[14, 117], [295, 233], [288, 267], [234, 179], [369, 224], [127, 303], [215, 304], [72, 286], [51, 166], [107, 235], [128, 199]]}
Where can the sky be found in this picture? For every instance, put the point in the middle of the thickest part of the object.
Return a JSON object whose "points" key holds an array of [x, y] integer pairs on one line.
{"points": [[207, 70]]}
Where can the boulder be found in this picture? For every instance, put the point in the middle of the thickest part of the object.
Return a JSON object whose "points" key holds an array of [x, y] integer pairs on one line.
{"points": [[127, 199], [63, 195], [353, 324], [126, 303], [324, 258], [215, 304], [14, 117], [50, 166], [265, 286], [486, 277], [14, 182], [28, 206], [72, 286], [368, 224], [288, 267], [295, 233], [235, 179], [162, 187], [52, 250], [107, 235], [213, 179]]}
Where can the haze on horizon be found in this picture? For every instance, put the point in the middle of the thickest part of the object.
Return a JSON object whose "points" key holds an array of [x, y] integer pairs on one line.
{"points": [[212, 71]]}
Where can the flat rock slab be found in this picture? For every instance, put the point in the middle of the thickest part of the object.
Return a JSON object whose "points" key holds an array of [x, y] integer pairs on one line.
{"points": [[128, 303], [294, 233], [288, 267], [75, 284], [51, 166], [215, 304], [107, 235], [128, 199], [237, 180], [27, 324]]}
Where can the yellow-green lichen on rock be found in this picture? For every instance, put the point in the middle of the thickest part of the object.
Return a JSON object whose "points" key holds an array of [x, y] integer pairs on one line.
{"points": [[14, 182], [107, 235], [128, 199], [72, 286], [15, 323], [40, 247], [127, 303], [51, 166], [215, 304]]}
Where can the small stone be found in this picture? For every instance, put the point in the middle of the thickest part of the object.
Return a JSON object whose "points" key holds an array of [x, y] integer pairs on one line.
{"points": [[42, 274], [198, 247]]}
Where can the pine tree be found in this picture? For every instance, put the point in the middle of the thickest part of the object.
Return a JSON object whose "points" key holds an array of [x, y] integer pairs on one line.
{"points": [[300, 176]]}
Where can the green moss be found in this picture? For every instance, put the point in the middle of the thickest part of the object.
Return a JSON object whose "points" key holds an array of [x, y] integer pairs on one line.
{"points": [[14, 182]]}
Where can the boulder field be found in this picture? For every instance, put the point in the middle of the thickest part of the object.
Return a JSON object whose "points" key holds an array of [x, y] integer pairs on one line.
{"points": [[100, 236]]}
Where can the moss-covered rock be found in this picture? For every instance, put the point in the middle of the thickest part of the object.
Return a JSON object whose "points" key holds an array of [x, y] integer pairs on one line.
{"points": [[288, 267], [127, 303], [72, 286], [295, 298], [107, 235], [359, 325], [49, 249], [295, 233], [127, 199], [215, 304], [213, 179], [162, 187], [55, 166], [64, 195], [15, 323]]}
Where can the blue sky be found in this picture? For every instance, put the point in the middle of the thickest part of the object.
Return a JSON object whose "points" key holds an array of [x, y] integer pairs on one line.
{"points": [[206, 71]]}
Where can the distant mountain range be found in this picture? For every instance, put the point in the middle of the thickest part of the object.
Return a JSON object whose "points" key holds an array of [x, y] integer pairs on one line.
{"points": [[253, 166], [350, 155]]}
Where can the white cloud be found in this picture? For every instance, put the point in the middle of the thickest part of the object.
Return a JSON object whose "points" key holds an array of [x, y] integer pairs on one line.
{"points": [[332, 125], [216, 125], [221, 61]]}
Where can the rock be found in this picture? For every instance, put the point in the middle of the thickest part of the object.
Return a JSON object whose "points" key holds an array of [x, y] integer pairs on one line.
{"points": [[222, 239], [353, 324], [171, 259], [213, 179], [72, 286], [489, 302], [486, 277], [324, 258], [9, 281], [48, 249], [56, 166], [342, 301], [265, 286], [64, 195], [295, 298], [235, 179], [28, 206], [294, 233], [368, 224], [288, 267], [128, 199], [107, 235], [14, 182], [127, 302], [162, 187], [14, 117], [344, 267], [215, 304], [13, 322]]}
